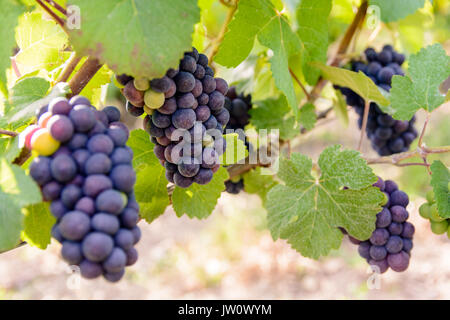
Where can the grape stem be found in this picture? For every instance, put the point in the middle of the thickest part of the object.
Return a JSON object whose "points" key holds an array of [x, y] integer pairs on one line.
{"points": [[51, 13], [419, 152], [84, 75], [364, 124], [420, 142], [69, 67], [8, 133], [300, 84], [55, 5]]}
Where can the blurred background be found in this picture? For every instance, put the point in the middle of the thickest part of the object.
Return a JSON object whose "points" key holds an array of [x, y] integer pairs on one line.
{"points": [[231, 255]]}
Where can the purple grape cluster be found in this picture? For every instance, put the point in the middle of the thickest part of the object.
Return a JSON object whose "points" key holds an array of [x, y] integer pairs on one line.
{"points": [[238, 105], [391, 243], [89, 181], [387, 135], [185, 117]]}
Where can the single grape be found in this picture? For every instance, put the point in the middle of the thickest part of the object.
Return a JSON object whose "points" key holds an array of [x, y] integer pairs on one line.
{"points": [[71, 252], [63, 168], [110, 201], [123, 177], [97, 246], [104, 222], [74, 225], [83, 118], [124, 239], [96, 184], [97, 163]]}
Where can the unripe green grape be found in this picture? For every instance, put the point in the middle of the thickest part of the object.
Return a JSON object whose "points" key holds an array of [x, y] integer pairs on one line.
{"points": [[430, 196], [434, 214], [425, 210], [153, 99], [148, 110], [448, 232], [142, 84], [385, 199], [236, 179], [439, 227], [208, 141]]}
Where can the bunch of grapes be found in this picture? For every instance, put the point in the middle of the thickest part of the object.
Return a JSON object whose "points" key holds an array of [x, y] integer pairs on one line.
{"points": [[388, 136], [429, 211], [391, 243], [238, 105], [84, 169], [185, 117]]}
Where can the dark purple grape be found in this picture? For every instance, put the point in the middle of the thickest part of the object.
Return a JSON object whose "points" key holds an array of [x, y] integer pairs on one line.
{"points": [[203, 113], [188, 167], [123, 177], [216, 101], [211, 123], [114, 277], [79, 100], [408, 230], [385, 120], [61, 128], [74, 225], [381, 265], [390, 186], [223, 116], [394, 244], [97, 246], [188, 64], [396, 145], [169, 106], [364, 249], [399, 213], [40, 170], [383, 133], [63, 168], [181, 181], [86, 205], [71, 252], [379, 237], [153, 130], [203, 99], [204, 176], [90, 270], [100, 143], [110, 201], [98, 163], [112, 113], [401, 126], [373, 68], [399, 198], [210, 158], [104, 222], [133, 110], [51, 191], [185, 81], [407, 245], [185, 101], [95, 184], [385, 57], [398, 261], [129, 218], [385, 75], [384, 218], [172, 89], [395, 228], [160, 120], [124, 239], [198, 89], [377, 252], [59, 105], [57, 209], [132, 256], [408, 137], [184, 118], [199, 72], [209, 71], [70, 195], [83, 118], [78, 141], [133, 95], [121, 156], [202, 60], [118, 135], [209, 84], [116, 261], [371, 54]]}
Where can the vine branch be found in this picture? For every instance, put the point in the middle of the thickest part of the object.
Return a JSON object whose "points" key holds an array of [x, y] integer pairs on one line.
{"points": [[300, 84], [396, 159], [69, 67], [58, 7], [51, 13], [84, 75], [8, 133], [364, 124]]}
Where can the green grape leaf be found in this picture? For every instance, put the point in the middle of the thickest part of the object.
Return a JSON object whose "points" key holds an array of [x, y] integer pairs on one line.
{"points": [[420, 89], [235, 151], [38, 225], [312, 18], [440, 179], [260, 18], [136, 37], [394, 10], [307, 211], [17, 190], [151, 183], [340, 108], [278, 36], [274, 114], [9, 148], [258, 182], [27, 96], [199, 201], [41, 42], [9, 16], [307, 116], [250, 18], [358, 82]]}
